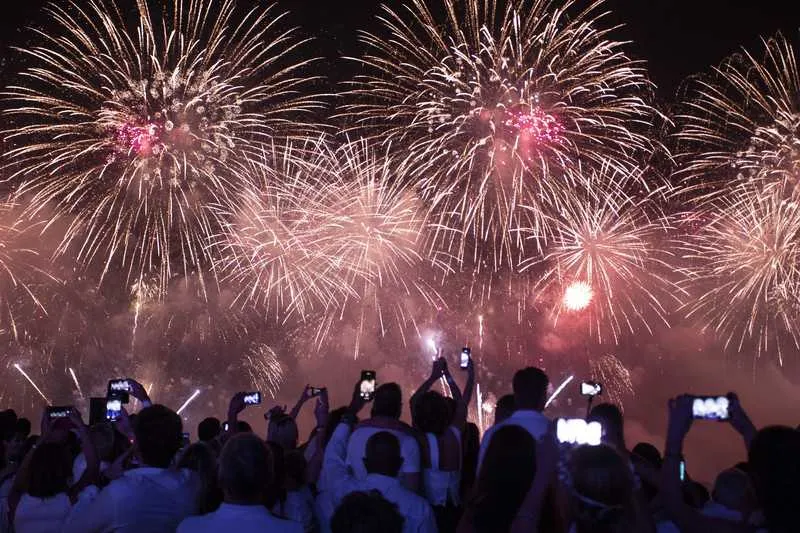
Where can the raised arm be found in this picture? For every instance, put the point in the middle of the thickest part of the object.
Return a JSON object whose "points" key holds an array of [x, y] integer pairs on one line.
{"points": [[304, 397], [460, 416], [469, 386], [334, 465], [92, 472], [436, 372]]}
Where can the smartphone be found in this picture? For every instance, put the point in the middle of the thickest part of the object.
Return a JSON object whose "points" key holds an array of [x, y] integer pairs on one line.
{"points": [[711, 408], [590, 388], [367, 386], [186, 440], [683, 470], [577, 431], [225, 427], [119, 389], [54, 413], [113, 409], [252, 398], [465, 355], [314, 391]]}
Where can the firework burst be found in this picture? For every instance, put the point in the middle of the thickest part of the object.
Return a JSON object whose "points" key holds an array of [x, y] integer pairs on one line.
{"points": [[128, 126], [742, 123], [264, 368], [374, 232], [745, 269], [489, 108], [614, 376], [605, 259]]}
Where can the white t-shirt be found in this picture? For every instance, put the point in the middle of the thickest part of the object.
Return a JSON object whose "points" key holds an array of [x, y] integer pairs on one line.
{"points": [[533, 422], [357, 446], [238, 519], [48, 515]]}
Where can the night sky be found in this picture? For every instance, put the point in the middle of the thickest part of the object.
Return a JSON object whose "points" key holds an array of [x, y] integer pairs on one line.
{"points": [[676, 37]]}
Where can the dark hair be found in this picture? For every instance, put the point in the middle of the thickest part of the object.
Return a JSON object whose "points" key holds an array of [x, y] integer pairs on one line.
{"points": [[23, 428], [200, 458], [245, 468], [610, 417], [382, 454], [470, 446], [282, 429], [649, 453], [159, 436], [602, 490], [505, 476], [208, 429], [366, 512], [504, 408], [49, 470], [774, 462], [430, 413], [530, 388], [243, 427], [275, 493], [388, 401], [8, 423]]}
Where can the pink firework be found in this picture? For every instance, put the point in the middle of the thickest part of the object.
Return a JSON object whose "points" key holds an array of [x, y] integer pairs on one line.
{"points": [[139, 140], [537, 125]]}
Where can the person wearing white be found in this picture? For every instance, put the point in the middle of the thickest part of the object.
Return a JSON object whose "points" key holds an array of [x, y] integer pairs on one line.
{"points": [[530, 391], [245, 472], [152, 498], [385, 416], [48, 515], [382, 462]]}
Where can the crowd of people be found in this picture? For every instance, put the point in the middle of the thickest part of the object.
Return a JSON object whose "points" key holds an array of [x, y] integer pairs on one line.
{"points": [[371, 472]]}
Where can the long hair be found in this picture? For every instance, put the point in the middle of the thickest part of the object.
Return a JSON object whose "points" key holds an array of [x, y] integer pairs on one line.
{"points": [[505, 476], [601, 491]]}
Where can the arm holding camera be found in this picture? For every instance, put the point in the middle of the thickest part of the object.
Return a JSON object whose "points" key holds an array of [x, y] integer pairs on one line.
{"points": [[686, 518], [335, 472], [139, 392], [304, 397]]}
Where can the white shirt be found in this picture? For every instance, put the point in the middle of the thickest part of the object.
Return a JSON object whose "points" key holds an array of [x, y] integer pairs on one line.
{"points": [[441, 486], [533, 422], [357, 447], [148, 499], [238, 519], [48, 515], [415, 509], [298, 507]]}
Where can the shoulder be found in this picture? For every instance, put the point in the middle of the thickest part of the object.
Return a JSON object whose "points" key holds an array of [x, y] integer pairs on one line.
{"points": [[194, 523]]}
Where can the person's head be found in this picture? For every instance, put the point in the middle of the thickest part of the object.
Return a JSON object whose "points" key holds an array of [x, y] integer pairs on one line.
{"points": [[610, 417], [648, 453], [49, 471], [602, 488], [243, 427], [388, 401], [22, 430], [774, 463], [382, 454], [245, 469], [208, 429], [201, 458], [504, 408], [159, 435], [505, 475], [733, 489], [431, 414], [530, 389], [282, 430], [695, 494], [452, 406], [8, 424], [366, 512]]}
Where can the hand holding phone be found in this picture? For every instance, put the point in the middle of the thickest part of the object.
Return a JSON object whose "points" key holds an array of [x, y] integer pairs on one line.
{"points": [[119, 389], [367, 385], [710, 408], [314, 391], [55, 412], [591, 389], [252, 398], [113, 409], [466, 354]]}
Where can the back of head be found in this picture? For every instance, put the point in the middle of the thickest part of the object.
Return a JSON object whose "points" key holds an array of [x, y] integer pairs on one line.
{"points": [[382, 454], [282, 430], [506, 474], [504, 408], [530, 388], [774, 462], [610, 417], [23, 428], [8, 423], [159, 436], [431, 413], [366, 512], [732, 489], [388, 401], [49, 471], [209, 429], [245, 469], [601, 491], [648, 453]]}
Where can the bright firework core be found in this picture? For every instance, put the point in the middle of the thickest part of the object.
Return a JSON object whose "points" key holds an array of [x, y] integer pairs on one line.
{"points": [[578, 296], [536, 124]]}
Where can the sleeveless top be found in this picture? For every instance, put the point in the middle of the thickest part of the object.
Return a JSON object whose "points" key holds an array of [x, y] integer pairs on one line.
{"points": [[442, 487]]}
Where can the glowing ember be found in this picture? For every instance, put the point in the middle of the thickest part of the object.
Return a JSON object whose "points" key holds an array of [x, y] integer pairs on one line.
{"points": [[578, 296], [139, 140], [536, 124]]}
